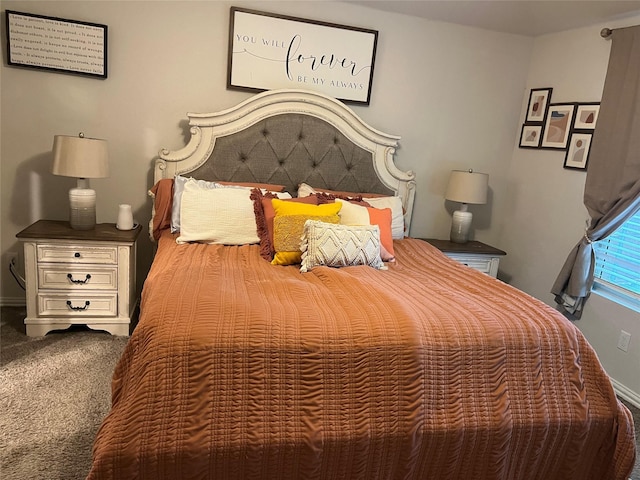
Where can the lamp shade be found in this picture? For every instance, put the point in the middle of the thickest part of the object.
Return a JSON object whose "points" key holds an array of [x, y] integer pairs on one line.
{"points": [[467, 187], [80, 157]]}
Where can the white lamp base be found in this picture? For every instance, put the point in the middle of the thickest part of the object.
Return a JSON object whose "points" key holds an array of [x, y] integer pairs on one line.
{"points": [[461, 225], [82, 205]]}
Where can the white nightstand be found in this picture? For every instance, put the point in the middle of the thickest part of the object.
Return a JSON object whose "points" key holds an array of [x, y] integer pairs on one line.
{"points": [[79, 277], [474, 254]]}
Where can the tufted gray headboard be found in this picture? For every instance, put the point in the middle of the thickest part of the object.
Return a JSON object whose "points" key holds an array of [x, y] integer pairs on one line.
{"points": [[287, 137]]}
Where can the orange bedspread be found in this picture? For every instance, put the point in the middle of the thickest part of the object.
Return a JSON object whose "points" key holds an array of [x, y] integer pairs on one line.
{"points": [[239, 369]]}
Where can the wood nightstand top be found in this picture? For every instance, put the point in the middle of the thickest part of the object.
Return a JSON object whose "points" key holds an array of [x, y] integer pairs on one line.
{"points": [[472, 246], [61, 230]]}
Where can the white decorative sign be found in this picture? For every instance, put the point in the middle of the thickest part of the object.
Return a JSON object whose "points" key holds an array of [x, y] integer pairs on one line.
{"points": [[56, 44], [268, 51]]}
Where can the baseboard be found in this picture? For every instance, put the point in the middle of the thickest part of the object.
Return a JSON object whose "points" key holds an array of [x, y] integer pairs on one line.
{"points": [[626, 393], [12, 302]]}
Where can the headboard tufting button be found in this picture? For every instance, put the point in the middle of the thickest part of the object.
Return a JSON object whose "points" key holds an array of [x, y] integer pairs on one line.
{"points": [[265, 132], [243, 157], [336, 140], [301, 136], [281, 161]]}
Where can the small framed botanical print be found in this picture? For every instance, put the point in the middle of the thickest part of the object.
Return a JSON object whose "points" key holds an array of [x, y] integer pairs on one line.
{"points": [[530, 136], [558, 125], [539, 100], [578, 150]]}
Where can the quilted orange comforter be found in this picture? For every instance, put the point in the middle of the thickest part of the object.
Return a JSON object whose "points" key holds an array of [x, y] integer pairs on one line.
{"points": [[239, 369]]}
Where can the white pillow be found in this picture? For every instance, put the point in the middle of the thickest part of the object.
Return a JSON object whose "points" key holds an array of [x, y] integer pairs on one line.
{"points": [[394, 203], [217, 215], [305, 190], [335, 245], [178, 187]]}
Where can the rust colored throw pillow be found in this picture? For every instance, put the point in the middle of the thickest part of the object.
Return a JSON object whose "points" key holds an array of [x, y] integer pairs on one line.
{"points": [[162, 194], [305, 189], [265, 213]]}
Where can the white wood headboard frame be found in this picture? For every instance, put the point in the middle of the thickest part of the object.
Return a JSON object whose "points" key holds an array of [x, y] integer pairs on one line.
{"points": [[206, 128]]}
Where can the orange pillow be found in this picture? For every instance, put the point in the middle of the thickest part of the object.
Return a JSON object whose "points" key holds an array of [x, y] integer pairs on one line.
{"points": [[162, 194]]}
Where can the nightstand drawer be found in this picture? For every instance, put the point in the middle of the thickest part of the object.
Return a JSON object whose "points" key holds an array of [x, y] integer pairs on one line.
{"points": [[482, 264], [73, 254], [78, 305], [77, 278], [474, 254]]}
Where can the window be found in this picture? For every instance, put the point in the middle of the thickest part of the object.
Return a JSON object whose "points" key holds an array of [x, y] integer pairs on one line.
{"points": [[617, 267]]}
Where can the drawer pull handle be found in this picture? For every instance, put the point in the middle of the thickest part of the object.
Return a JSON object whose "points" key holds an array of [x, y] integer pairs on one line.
{"points": [[86, 305], [87, 278], [77, 254]]}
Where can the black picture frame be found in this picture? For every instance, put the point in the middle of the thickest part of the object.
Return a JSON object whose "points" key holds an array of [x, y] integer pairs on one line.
{"points": [[531, 135], [56, 44], [539, 101], [558, 125], [578, 150], [270, 51], [586, 116]]}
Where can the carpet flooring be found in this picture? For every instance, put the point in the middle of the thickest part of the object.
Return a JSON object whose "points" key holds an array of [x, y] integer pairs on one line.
{"points": [[54, 393]]}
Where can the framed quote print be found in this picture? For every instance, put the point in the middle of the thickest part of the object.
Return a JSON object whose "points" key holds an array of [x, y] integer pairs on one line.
{"points": [[269, 51], [56, 44]]}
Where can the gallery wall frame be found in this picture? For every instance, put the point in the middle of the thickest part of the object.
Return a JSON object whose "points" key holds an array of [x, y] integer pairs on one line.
{"points": [[269, 51], [558, 125], [56, 44], [578, 150], [587, 116], [530, 136], [539, 100]]}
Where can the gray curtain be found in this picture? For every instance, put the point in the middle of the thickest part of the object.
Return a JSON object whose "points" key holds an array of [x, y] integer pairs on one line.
{"points": [[612, 188]]}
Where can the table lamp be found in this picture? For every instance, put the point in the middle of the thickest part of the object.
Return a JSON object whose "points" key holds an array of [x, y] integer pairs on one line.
{"points": [[465, 187], [82, 158]]}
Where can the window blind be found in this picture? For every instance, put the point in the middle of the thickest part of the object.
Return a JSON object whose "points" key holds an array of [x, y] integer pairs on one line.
{"points": [[618, 256]]}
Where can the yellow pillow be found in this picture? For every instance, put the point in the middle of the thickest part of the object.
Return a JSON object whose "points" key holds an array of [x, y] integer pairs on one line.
{"points": [[288, 225]]}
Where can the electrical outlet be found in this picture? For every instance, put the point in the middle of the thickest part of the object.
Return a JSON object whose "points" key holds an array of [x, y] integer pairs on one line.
{"points": [[623, 340]]}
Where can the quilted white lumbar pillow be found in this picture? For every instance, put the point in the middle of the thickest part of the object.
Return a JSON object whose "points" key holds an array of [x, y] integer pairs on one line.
{"points": [[335, 245], [217, 215]]}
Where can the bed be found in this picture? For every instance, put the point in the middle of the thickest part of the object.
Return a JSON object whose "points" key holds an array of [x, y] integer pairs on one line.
{"points": [[337, 365]]}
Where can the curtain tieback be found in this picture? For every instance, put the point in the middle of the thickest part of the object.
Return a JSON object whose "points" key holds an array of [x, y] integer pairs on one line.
{"points": [[586, 233]]}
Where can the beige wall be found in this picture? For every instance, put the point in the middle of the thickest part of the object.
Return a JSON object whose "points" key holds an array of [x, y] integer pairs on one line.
{"points": [[456, 95], [545, 214], [455, 107]]}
